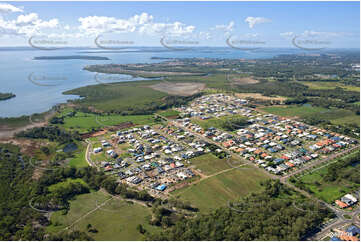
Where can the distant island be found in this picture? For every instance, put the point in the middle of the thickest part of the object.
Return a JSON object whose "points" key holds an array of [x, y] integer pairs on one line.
{"points": [[6, 96], [161, 58], [71, 57]]}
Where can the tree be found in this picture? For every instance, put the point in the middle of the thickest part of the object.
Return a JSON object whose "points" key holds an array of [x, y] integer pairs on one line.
{"points": [[141, 229]]}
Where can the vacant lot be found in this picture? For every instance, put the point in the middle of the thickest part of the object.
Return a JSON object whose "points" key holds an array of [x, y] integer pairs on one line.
{"points": [[335, 115], [260, 97], [330, 191], [84, 122], [240, 80], [330, 85], [294, 110], [169, 113], [117, 220], [78, 160], [209, 164], [179, 88], [216, 191]]}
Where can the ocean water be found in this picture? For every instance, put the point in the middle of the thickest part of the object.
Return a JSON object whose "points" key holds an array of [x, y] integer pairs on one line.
{"points": [[38, 84]]}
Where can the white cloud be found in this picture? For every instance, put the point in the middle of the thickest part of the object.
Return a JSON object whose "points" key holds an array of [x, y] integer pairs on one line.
{"points": [[28, 25], [143, 23], [8, 8], [101, 24], [287, 34], [205, 35], [173, 29], [252, 21], [226, 28], [319, 34], [26, 19]]}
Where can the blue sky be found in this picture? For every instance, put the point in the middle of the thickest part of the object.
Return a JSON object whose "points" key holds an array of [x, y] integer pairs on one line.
{"points": [[274, 24]]}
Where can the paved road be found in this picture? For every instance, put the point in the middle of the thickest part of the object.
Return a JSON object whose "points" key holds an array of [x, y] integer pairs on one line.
{"points": [[315, 163], [339, 221], [88, 153], [284, 180], [233, 155]]}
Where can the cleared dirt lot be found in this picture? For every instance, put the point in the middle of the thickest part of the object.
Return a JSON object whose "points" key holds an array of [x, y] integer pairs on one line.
{"points": [[259, 96], [236, 79], [179, 88]]}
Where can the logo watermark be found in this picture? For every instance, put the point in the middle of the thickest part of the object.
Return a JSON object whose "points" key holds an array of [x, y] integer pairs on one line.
{"points": [[178, 44], [46, 80], [339, 234], [309, 43], [111, 79], [43, 206], [39, 164], [243, 206], [47, 43], [245, 44], [112, 43], [103, 120]]}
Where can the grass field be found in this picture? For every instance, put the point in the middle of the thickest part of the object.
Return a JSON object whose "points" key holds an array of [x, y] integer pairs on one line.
{"points": [[168, 113], [349, 118], [216, 191], [119, 96], [210, 164], [84, 122], [329, 191], [117, 220], [336, 116], [330, 85], [61, 185], [294, 110], [78, 160]]}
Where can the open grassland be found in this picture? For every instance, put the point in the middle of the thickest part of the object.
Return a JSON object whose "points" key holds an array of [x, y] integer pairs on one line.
{"points": [[85, 122], [294, 110], [330, 85], [209, 164], [346, 117], [168, 113], [329, 191], [217, 190], [116, 220], [78, 161], [61, 185], [81, 205], [119, 96], [334, 115]]}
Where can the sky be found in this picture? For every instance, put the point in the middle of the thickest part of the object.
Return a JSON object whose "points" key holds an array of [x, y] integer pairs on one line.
{"points": [[240, 24]]}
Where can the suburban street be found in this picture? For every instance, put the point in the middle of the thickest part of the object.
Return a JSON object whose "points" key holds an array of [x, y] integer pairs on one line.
{"points": [[339, 221]]}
